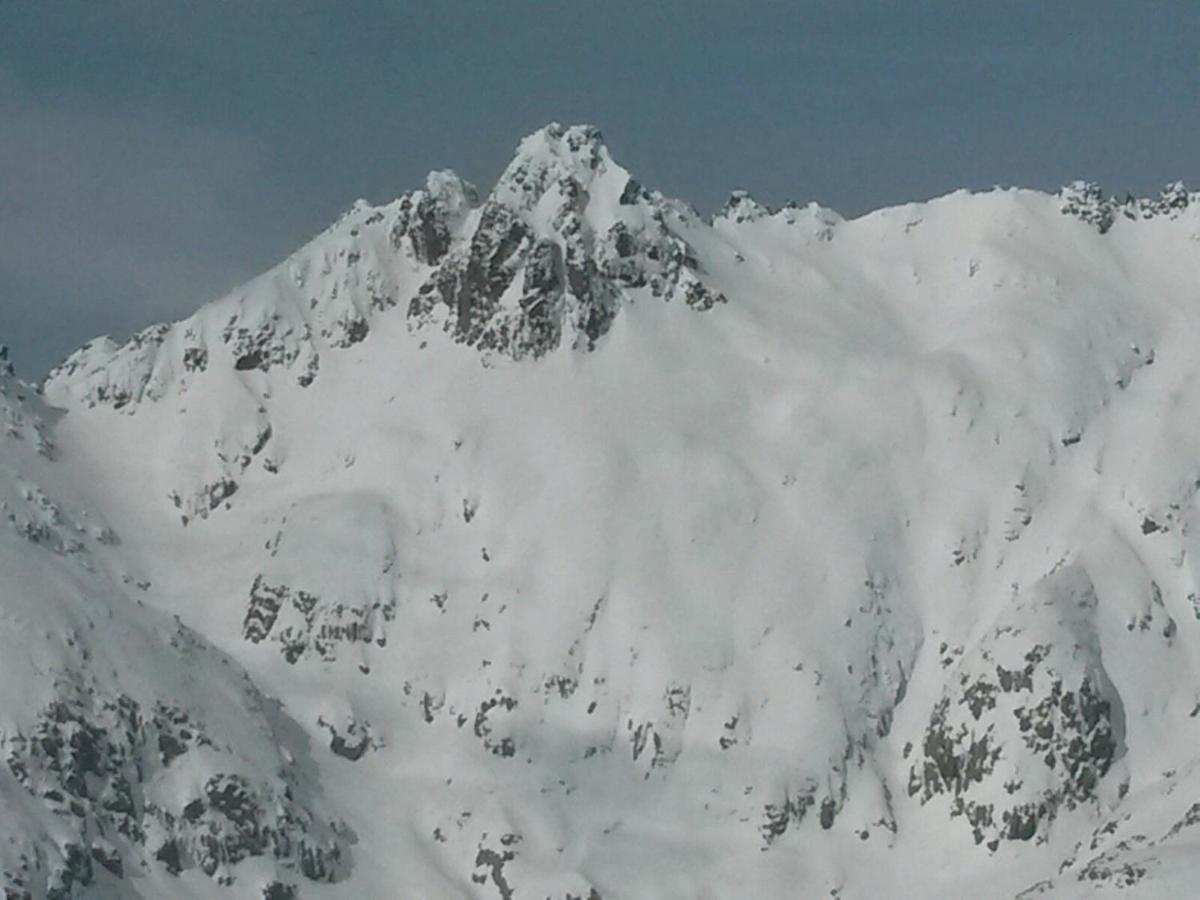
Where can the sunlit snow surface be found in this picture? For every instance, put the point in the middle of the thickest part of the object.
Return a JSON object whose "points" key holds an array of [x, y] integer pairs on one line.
{"points": [[772, 556]]}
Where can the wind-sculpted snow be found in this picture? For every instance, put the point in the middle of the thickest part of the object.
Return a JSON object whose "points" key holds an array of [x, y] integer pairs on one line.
{"points": [[597, 550]]}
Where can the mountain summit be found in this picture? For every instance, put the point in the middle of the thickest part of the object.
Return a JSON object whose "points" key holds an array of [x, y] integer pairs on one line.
{"points": [[557, 542], [546, 256]]}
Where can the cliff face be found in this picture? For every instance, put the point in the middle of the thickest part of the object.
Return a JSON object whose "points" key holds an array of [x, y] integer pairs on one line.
{"points": [[596, 549]]}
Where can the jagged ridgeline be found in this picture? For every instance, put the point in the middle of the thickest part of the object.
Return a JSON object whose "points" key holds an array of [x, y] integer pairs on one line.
{"points": [[564, 237], [596, 549]]}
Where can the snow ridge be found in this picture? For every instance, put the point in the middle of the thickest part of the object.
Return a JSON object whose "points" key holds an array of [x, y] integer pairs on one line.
{"points": [[563, 236]]}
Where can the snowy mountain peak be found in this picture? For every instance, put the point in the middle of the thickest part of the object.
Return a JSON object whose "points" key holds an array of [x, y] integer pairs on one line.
{"points": [[876, 580], [564, 238], [742, 207], [563, 242], [454, 192], [559, 171], [577, 151]]}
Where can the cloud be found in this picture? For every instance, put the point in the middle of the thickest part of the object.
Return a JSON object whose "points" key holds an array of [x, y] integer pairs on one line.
{"points": [[111, 218]]}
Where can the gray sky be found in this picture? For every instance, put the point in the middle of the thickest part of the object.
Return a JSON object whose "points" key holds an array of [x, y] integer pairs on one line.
{"points": [[155, 154]]}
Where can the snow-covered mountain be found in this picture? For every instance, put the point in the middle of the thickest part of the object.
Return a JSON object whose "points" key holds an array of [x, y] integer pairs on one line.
{"points": [[134, 750], [561, 543]]}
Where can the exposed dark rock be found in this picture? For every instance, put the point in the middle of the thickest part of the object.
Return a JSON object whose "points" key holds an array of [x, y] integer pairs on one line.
{"points": [[1068, 732], [348, 330], [195, 359], [422, 220], [470, 285], [492, 863], [91, 755], [541, 301], [1087, 202], [108, 857], [503, 746], [353, 742], [262, 610], [278, 890], [632, 193], [310, 624], [779, 817]]}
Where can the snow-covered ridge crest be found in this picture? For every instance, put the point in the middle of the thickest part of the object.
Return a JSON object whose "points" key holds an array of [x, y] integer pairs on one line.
{"points": [[1087, 201], [563, 240], [548, 258], [564, 237]]}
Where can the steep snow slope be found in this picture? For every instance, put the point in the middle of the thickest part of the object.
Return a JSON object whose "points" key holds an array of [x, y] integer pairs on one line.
{"points": [[601, 550], [133, 750]]}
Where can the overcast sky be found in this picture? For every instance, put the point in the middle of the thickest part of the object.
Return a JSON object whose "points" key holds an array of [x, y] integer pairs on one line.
{"points": [[155, 154]]}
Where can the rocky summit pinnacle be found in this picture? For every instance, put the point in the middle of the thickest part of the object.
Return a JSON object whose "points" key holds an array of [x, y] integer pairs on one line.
{"points": [[550, 156], [549, 540]]}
